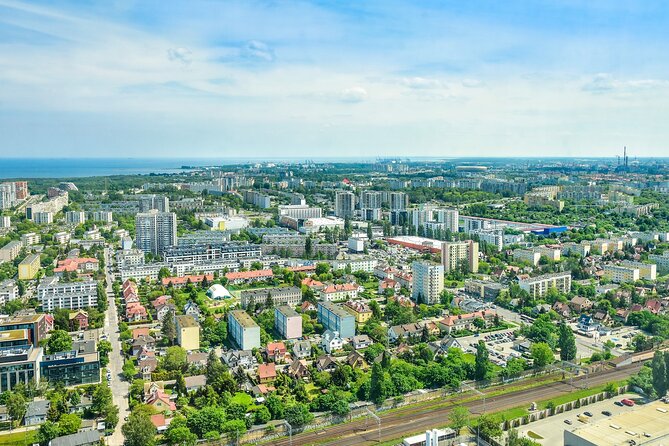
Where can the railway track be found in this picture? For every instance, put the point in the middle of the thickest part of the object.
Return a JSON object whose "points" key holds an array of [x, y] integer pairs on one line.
{"points": [[407, 420]]}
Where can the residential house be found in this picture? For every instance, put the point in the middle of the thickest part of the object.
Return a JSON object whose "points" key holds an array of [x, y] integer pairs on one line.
{"points": [[301, 349], [191, 309], [160, 401], [562, 308], [580, 304], [266, 373], [298, 369], [361, 310], [276, 352], [331, 341], [239, 358], [198, 359], [361, 341], [307, 306], [240, 277], [194, 383], [79, 320], [83, 438], [338, 292], [160, 422], [325, 363], [164, 310], [144, 342], [468, 321], [135, 312], [36, 412], [356, 360], [404, 331]]}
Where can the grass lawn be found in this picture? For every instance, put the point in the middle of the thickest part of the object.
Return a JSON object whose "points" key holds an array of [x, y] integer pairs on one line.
{"points": [[575, 395], [19, 438], [242, 398], [312, 390]]}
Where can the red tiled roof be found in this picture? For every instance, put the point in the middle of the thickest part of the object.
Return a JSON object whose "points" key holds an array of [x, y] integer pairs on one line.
{"points": [[184, 280], [236, 275], [71, 265], [266, 370]]}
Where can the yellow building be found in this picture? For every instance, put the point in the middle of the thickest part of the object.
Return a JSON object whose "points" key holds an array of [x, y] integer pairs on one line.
{"points": [[29, 267], [360, 310], [188, 332]]}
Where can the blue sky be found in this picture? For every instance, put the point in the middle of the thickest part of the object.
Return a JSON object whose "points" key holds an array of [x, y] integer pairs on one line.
{"points": [[345, 78]]}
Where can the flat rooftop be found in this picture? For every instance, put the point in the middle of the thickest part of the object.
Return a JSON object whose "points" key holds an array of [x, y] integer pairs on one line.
{"points": [[243, 318], [651, 419]]}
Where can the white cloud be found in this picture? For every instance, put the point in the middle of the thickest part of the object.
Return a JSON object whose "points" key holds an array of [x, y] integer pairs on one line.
{"points": [[422, 83], [180, 54], [255, 49], [353, 95], [605, 82], [472, 83]]}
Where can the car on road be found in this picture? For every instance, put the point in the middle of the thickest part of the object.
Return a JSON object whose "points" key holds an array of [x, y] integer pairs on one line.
{"points": [[587, 414], [607, 413], [567, 422], [627, 402]]}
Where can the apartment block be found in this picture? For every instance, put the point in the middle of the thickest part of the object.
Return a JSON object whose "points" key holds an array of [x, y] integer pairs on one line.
{"points": [[344, 204], [539, 286], [288, 322], [155, 231], [159, 203], [454, 254], [75, 217], [29, 267], [30, 238], [334, 317], [52, 293], [5, 221], [647, 271], [582, 249], [428, 282], [42, 217], [62, 238], [10, 251], [661, 260], [620, 273], [366, 265], [243, 330], [300, 211], [277, 296], [102, 216], [527, 255], [188, 332], [9, 290]]}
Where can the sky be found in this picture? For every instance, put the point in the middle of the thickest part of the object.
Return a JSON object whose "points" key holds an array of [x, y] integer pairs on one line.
{"points": [[333, 78]]}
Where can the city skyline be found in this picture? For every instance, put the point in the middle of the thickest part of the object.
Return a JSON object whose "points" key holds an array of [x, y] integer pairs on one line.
{"points": [[316, 79]]}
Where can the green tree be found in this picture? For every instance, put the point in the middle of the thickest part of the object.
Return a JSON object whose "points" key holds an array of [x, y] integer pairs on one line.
{"points": [[104, 348], [101, 399], [566, 342], [139, 430], [275, 406], [659, 370], [489, 426], [180, 435], [59, 341], [541, 354], [47, 432], [16, 407], [129, 369], [169, 329], [459, 418], [377, 388], [298, 415], [262, 415], [175, 359], [69, 423], [482, 362]]}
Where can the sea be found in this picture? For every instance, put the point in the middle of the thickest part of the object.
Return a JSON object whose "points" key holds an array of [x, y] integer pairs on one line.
{"points": [[26, 168]]}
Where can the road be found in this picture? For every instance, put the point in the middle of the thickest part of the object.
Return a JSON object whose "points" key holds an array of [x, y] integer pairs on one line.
{"points": [[408, 420], [119, 386]]}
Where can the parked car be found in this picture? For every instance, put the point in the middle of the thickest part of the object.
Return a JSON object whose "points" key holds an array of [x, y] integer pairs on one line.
{"points": [[627, 402], [587, 414], [567, 422], [607, 413]]}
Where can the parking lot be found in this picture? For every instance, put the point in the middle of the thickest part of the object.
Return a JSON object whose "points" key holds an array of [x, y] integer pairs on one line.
{"points": [[551, 429], [499, 343]]}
